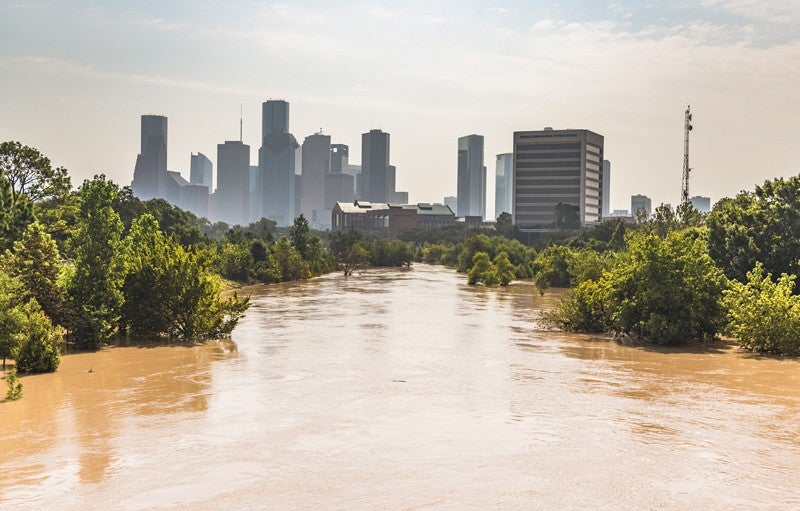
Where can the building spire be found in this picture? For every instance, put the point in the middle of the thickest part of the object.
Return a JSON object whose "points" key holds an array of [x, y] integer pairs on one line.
{"points": [[241, 122]]}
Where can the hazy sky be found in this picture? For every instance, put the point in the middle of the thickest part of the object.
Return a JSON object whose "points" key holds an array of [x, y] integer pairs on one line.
{"points": [[75, 77]]}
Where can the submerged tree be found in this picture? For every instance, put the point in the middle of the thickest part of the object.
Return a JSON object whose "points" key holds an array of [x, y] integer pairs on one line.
{"points": [[39, 347], [37, 264], [95, 291], [764, 315]]}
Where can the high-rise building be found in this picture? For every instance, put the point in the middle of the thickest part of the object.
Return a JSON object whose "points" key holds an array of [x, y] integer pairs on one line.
{"points": [[277, 161], [503, 184], [701, 204], [355, 171], [375, 166], [339, 158], [316, 165], [201, 171], [256, 190], [232, 197], [641, 203], [274, 117], [338, 188], [605, 187], [471, 177], [150, 178], [557, 176]]}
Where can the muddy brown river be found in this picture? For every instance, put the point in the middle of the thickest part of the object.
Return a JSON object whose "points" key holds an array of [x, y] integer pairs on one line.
{"points": [[404, 390]]}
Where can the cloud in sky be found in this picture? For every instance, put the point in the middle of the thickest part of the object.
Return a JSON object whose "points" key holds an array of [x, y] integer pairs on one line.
{"points": [[425, 73]]}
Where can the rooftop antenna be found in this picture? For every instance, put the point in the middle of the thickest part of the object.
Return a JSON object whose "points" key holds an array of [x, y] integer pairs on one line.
{"points": [[687, 127], [241, 122]]}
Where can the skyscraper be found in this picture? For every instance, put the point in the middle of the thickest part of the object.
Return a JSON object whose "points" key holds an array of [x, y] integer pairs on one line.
{"points": [[339, 158], [641, 203], [605, 186], [375, 166], [316, 165], [503, 183], [471, 177], [274, 117], [276, 161], [232, 204], [554, 170], [201, 171], [701, 204], [150, 174]]}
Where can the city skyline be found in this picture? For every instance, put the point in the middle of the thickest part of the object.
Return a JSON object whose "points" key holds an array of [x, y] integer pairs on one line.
{"points": [[733, 61]]}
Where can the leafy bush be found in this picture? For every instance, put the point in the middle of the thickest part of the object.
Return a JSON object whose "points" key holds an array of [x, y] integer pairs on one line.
{"points": [[764, 315], [39, 347], [664, 290], [14, 386]]}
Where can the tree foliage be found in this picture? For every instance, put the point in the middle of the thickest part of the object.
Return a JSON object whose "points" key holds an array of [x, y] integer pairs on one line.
{"points": [[763, 314], [664, 290], [760, 226], [37, 264], [95, 292], [11, 315], [39, 346]]}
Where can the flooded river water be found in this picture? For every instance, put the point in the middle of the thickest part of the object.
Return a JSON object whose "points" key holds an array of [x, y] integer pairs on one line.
{"points": [[404, 390]]}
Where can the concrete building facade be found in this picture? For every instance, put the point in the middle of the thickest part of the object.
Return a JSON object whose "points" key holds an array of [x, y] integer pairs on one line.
{"points": [[316, 165], [641, 203], [340, 158], [375, 166], [389, 219], [201, 171], [150, 179], [232, 197], [554, 169], [605, 187], [503, 183], [471, 191], [277, 162], [701, 204]]}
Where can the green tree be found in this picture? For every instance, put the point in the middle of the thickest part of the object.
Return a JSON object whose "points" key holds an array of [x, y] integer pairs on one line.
{"points": [[39, 348], [14, 391], [15, 214], [764, 315], [300, 236], [505, 270], [236, 262], [196, 309], [147, 288], [11, 316], [30, 173], [663, 290], [504, 225], [568, 217], [96, 288], [37, 263], [285, 264], [760, 226], [348, 250], [483, 270]]}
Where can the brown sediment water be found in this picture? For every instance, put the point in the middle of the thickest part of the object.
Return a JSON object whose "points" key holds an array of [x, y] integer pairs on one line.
{"points": [[404, 390]]}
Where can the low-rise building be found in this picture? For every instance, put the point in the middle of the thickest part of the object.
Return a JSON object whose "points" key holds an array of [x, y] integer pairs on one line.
{"points": [[389, 219]]}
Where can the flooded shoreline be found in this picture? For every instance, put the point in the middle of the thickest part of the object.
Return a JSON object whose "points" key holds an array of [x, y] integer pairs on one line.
{"points": [[404, 389]]}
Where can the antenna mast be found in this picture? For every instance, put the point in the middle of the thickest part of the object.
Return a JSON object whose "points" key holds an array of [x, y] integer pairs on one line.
{"points": [[687, 127], [241, 122]]}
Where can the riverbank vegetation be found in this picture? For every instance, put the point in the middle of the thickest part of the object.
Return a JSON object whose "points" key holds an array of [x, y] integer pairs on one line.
{"points": [[677, 277], [81, 268]]}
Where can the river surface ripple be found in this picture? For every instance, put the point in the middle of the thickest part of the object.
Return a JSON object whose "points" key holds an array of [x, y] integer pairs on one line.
{"points": [[404, 390]]}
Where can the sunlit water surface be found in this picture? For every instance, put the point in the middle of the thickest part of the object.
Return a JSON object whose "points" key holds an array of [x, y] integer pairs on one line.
{"points": [[404, 390]]}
